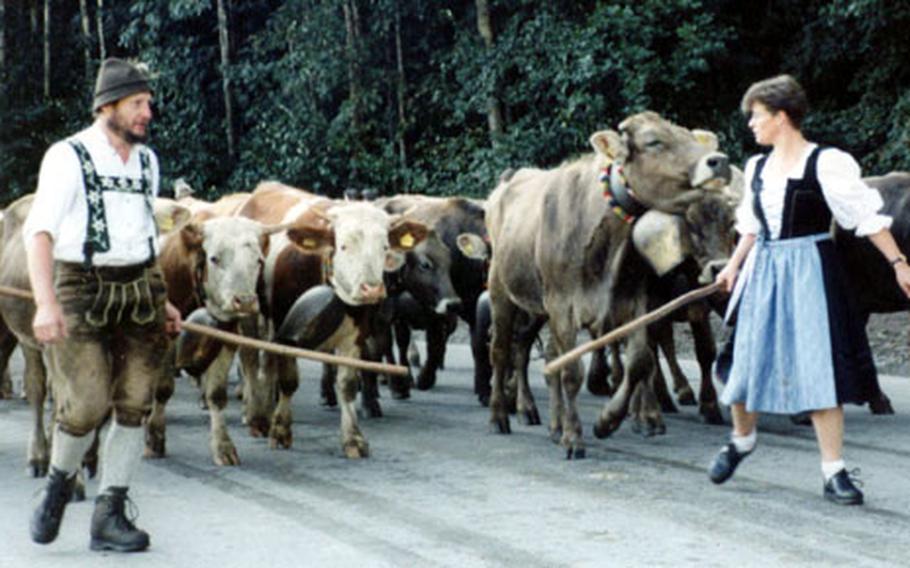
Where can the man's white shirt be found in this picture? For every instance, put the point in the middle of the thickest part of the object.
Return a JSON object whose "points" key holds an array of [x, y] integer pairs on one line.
{"points": [[60, 207]]}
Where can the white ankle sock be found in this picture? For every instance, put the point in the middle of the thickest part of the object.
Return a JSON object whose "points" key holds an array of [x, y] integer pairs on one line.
{"points": [[122, 450], [746, 443], [67, 450], [832, 467]]}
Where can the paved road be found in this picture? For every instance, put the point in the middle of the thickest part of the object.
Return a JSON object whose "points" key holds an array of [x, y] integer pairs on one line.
{"points": [[439, 490]]}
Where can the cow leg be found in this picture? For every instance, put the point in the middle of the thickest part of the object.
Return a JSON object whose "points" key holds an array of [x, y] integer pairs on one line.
{"points": [[35, 386], [657, 333], [598, 372], [258, 385], [327, 396], [436, 350], [280, 434], [525, 406], [564, 336], [353, 443], [214, 381], [662, 332], [369, 382], [7, 346], [616, 367], [706, 353], [647, 419], [399, 386], [639, 367], [556, 402], [155, 426], [500, 356], [480, 350]]}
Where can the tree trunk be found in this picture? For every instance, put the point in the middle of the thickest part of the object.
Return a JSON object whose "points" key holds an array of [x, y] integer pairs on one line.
{"points": [[86, 39], [99, 18], [224, 41], [47, 49], [494, 108], [352, 41], [402, 92], [2, 44]]}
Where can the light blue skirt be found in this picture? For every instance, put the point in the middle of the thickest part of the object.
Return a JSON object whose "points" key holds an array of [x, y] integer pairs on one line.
{"points": [[782, 355]]}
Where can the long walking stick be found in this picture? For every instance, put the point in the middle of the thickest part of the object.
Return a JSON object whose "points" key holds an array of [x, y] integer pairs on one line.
{"points": [[286, 350], [624, 330]]}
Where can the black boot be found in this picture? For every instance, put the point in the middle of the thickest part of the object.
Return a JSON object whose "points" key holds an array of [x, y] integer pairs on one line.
{"points": [[725, 463], [46, 519], [111, 530], [841, 490]]}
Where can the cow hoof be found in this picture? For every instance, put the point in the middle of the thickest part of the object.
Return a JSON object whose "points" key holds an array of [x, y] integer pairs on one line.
{"points": [[426, 380], [500, 425], [328, 399], [711, 414], [203, 404], [400, 387], [530, 417], [372, 409], [605, 427], [225, 455], [356, 449], [280, 437], [575, 453], [881, 406], [484, 399], [258, 426], [78, 492], [685, 396], [37, 468], [154, 444], [667, 407]]}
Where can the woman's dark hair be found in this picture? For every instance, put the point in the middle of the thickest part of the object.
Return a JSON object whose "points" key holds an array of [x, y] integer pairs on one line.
{"points": [[781, 93]]}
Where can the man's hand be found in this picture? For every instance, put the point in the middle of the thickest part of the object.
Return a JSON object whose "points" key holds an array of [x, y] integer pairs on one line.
{"points": [[49, 325], [173, 322]]}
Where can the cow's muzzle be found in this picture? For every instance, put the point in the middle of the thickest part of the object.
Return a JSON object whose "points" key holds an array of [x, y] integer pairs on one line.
{"points": [[448, 306], [244, 304], [371, 293], [712, 171]]}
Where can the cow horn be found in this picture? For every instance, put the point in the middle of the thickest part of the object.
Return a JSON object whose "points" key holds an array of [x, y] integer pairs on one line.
{"points": [[272, 229], [398, 219]]}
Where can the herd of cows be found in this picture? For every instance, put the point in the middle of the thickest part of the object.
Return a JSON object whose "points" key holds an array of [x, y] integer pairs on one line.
{"points": [[588, 245]]}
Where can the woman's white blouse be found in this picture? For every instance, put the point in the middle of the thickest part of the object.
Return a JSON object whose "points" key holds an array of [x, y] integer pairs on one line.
{"points": [[854, 204]]}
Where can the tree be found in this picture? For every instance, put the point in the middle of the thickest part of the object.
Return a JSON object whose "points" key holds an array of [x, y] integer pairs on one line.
{"points": [[86, 40], [47, 49], [99, 17], [224, 41], [494, 109]]}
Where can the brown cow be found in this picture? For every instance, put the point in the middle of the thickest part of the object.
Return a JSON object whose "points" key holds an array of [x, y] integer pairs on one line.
{"points": [[561, 250], [347, 244]]}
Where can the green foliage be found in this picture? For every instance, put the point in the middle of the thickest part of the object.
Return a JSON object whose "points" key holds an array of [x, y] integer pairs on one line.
{"points": [[559, 69]]}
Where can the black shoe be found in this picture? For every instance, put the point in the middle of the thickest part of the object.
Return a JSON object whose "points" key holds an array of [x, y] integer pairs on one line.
{"points": [[841, 490], [725, 463], [46, 519], [111, 530]]}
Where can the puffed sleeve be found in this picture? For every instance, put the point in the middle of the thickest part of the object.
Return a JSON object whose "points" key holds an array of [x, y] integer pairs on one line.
{"points": [[746, 221], [854, 204], [59, 181]]}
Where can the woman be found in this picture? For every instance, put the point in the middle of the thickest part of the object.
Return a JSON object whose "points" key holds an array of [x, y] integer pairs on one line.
{"points": [[797, 346]]}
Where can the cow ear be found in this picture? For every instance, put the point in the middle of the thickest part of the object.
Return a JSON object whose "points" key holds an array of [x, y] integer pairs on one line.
{"points": [[610, 144], [706, 138], [264, 240], [394, 260], [170, 216], [406, 234], [662, 240], [192, 235], [472, 246], [312, 238]]}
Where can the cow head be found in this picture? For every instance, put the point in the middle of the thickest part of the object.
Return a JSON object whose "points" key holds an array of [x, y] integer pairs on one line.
{"points": [[229, 254], [704, 232], [667, 167], [362, 241]]}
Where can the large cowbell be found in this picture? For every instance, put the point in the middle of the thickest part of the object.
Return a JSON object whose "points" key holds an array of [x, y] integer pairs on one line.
{"points": [[662, 240]]}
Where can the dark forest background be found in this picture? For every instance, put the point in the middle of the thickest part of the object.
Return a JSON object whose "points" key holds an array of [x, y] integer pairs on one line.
{"points": [[438, 97]]}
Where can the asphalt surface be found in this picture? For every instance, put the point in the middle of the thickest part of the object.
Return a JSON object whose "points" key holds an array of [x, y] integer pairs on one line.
{"points": [[440, 490]]}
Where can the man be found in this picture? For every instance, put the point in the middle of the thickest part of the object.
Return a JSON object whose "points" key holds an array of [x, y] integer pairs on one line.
{"points": [[91, 244]]}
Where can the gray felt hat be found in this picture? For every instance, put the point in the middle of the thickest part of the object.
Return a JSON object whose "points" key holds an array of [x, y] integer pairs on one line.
{"points": [[118, 79]]}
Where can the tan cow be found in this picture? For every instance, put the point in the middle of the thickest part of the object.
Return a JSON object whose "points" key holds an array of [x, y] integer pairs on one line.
{"points": [[562, 251], [348, 245]]}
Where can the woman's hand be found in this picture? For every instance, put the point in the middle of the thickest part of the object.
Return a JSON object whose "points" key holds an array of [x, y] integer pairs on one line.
{"points": [[727, 277]]}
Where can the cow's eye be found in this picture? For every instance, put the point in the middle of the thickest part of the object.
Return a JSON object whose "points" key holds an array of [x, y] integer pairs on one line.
{"points": [[344, 247], [426, 265], [215, 260], [654, 144]]}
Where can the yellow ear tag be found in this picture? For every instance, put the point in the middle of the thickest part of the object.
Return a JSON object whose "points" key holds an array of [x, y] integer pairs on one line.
{"points": [[166, 225], [309, 243], [407, 240], [469, 248]]}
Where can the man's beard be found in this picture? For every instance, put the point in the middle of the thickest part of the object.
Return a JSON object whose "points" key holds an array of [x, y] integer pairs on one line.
{"points": [[117, 127]]}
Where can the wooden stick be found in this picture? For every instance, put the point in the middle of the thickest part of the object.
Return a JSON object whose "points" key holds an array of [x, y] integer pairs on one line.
{"points": [[624, 330], [276, 348]]}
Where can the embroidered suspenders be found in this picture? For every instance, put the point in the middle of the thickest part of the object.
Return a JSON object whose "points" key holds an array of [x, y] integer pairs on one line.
{"points": [[97, 238]]}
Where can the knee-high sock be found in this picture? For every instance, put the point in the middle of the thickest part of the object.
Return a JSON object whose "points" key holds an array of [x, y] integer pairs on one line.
{"points": [[122, 450], [67, 450]]}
